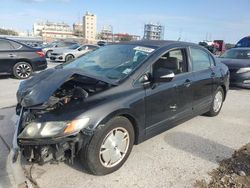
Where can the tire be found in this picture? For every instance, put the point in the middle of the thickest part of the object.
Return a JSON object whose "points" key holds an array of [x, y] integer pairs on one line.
{"points": [[69, 57], [22, 70], [48, 53], [217, 103], [96, 156]]}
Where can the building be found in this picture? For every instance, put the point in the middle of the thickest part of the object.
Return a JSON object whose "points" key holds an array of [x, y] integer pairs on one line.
{"points": [[106, 33], [78, 29], [125, 37], [89, 26], [153, 32], [52, 30]]}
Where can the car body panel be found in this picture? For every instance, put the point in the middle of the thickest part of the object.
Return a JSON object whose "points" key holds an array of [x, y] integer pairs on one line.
{"points": [[151, 108], [61, 54], [8, 58], [234, 65]]}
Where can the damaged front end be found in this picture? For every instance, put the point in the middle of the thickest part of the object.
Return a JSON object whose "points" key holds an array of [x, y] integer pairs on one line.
{"points": [[52, 126]]}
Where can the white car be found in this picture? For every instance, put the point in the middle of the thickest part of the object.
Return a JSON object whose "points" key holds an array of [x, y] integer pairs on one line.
{"points": [[74, 51], [47, 49]]}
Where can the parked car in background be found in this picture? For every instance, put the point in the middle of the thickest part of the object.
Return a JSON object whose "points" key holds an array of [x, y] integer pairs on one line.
{"points": [[102, 43], [72, 52], [244, 42], [19, 59], [47, 49], [98, 106], [238, 62]]}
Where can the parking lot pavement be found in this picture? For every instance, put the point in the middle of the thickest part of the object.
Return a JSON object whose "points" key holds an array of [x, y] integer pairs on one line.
{"points": [[175, 158], [7, 119], [8, 88]]}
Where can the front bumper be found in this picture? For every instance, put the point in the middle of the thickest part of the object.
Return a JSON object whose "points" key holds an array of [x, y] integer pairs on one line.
{"points": [[240, 80], [59, 58]]}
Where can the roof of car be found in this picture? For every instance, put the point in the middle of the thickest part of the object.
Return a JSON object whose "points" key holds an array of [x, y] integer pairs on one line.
{"points": [[156, 43]]}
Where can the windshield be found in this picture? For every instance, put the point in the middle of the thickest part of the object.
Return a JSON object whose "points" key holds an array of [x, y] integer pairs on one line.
{"points": [[74, 46], [236, 54], [113, 61]]}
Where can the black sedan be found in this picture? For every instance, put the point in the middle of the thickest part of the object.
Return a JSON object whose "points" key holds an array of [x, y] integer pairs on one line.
{"points": [[98, 106], [19, 59], [238, 62]]}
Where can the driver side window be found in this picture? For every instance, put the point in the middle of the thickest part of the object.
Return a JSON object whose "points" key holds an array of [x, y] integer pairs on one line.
{"points": [[174, 60]]}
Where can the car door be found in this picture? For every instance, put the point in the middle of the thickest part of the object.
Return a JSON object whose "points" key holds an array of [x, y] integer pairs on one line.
{"points": [[203, 79], [81, 50], [7, 56], [168, 102]]}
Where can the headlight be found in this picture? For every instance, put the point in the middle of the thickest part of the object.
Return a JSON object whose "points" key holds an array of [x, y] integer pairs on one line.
{"points": [[242, 70], [49, 129]]}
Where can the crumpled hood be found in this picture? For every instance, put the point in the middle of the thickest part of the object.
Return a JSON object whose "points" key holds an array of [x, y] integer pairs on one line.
{"points": [[40, 87]]}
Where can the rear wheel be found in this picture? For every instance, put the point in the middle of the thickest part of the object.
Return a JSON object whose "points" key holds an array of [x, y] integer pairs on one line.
{"points": [[109, 148], [22, 70], [217, 102]]}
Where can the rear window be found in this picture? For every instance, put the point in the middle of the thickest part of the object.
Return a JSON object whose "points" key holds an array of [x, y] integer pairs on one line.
{"points": [[5, 45], [15, 45]]}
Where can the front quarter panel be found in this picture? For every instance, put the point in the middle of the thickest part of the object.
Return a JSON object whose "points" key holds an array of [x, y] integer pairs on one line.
{"points": [[120, 101]]}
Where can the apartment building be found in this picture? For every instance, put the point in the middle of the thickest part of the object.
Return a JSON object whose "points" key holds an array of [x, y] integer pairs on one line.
{"points": [[89, 26], [52, 30], [153, 32]]}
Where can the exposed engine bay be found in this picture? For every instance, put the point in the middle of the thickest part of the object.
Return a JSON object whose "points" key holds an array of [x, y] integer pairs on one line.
{"points": [[72, 92]]}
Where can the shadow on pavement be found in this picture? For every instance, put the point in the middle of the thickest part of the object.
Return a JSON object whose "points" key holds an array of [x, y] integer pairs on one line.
{"points": [[238, 88], [77, 166], [4, 177], [198, 146], [6, 77], [7, 128]]}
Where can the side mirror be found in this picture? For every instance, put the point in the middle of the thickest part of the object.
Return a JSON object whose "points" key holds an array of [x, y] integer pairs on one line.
{"points": [[163, 75], [145, 79]]}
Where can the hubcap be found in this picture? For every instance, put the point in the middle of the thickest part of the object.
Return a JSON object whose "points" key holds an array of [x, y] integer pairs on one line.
{"points": [[114, 147], [23, 70], [218, 101]]}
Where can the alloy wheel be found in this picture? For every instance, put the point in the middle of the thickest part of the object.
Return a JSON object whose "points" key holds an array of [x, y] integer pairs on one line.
{"points": [[23, 70]]}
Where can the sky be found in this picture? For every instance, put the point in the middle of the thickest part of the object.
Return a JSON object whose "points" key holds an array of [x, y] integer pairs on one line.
{"points": [[192, 20]]}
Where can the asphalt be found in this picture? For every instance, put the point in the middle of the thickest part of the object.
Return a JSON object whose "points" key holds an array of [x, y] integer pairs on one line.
{"points": [[175, 158]]}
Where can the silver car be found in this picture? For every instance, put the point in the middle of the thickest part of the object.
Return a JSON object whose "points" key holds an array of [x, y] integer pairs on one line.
{"points": [[74, 51], [47, 49]]}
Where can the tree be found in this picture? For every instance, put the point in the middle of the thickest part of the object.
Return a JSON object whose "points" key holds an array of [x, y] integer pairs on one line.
{"points": [[8, 32]]}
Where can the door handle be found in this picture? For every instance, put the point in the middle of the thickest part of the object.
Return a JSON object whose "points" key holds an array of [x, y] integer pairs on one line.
{"points": [[12, 55], [173, 107], [187, 83]]}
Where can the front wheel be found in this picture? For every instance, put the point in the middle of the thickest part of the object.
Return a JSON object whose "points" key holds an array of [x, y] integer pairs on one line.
{"points": [[217, 102], [109, 148], [69, 58]]}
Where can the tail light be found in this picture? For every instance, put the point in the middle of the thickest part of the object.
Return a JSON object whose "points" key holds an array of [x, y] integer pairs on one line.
{"points": [[40, 53]]}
